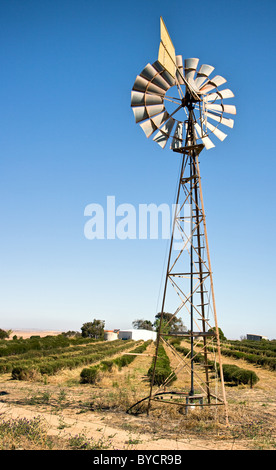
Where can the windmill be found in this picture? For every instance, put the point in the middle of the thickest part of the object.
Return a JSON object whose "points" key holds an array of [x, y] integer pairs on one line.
{"points": [[182, 103]]}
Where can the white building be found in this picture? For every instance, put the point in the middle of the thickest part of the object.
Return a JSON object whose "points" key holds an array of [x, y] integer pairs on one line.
{"points": [[137, 335], [110, 335]]}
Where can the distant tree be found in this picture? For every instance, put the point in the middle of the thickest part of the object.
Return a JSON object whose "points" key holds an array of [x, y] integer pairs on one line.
{"points": [[142, 325], [94, 329], [71, 333], [221, 334], [3, 334], [170, 322]]}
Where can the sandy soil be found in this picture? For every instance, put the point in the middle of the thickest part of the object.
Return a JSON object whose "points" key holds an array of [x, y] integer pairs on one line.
{"points": [[28, 333], [99, 411]]}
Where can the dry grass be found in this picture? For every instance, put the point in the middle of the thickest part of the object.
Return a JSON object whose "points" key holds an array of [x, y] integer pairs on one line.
{"points": [[95, 415]]}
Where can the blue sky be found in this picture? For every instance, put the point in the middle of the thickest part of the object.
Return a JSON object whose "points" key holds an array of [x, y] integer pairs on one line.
{"points": [[68, 138]]}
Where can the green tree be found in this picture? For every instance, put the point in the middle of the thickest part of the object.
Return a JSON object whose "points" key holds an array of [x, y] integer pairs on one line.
{"points": [[142, 325], [3, 334], [169, 323], [94, 329], [221, 334]]}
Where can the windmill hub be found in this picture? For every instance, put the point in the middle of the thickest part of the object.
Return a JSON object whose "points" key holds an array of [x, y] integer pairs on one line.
{"points": [[189, 100]]}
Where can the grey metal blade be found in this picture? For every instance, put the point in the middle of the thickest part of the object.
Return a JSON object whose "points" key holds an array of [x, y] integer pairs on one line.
{"points": [[220, 94], [164, 74], [139, 99], [217, 132], [222, 108], [150, 126], [190, 68], [177, 140], [203, 73], [180, 69], [205, 139], [141, 84], [151, 74], [213, 83], [160, 119], [144, 112], [216, 117], [164, 133]]}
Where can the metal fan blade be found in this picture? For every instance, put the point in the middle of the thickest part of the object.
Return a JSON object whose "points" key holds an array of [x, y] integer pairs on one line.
{"points": [[141, 112], [151, 74], [163, 135], [141, 84], [222, 108], [190, 68], [213, 83], [139, 99], [178, 136], [223, 94], [218, 133], [166, 75], [205, 140], [203, 73], [225, 121], [179, 70], [150, 126], [160, 119]]}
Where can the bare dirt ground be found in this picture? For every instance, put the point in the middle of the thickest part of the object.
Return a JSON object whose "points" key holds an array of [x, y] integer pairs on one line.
{"points": [[28, 333], [98, 412]]}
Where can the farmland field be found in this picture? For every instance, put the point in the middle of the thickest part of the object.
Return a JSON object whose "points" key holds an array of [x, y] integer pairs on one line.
{"points": [[60, 393]]}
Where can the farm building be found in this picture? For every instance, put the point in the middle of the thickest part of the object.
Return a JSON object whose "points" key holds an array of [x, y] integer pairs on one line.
{"points": [[255, 337], [110, 335], [137, 334]]}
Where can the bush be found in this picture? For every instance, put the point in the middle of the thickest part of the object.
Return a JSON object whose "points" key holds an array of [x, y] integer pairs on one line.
{"points": [[106, 366], [24, 373], [233, 373], [244, 376], [162, 368], [89, 375]]}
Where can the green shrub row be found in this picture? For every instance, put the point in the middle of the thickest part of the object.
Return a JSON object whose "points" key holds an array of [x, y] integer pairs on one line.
{"points": [[251, 358], [52, 366], [162, 368], [71, 354], [252, 350], [263, 346], [90, 375], [58, 351], [35, 343], [231, 372]]}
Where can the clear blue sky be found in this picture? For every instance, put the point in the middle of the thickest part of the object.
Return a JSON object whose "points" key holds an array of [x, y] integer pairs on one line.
{"points": [[68, 139]]}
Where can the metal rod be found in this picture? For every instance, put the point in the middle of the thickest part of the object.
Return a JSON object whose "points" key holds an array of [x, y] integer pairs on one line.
{"points": [[165, 288], [213, 296]]}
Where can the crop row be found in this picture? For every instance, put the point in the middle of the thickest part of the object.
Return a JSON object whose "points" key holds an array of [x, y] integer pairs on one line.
{"points": [[258, 357], [162, 368], [91, 374], [231, 373], [252, 349], [263, 346], [39, 345], [26, 368]]}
